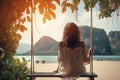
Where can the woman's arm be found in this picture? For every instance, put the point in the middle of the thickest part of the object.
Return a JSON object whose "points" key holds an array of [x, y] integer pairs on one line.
{"points": [[90, 52], [86, 57]]}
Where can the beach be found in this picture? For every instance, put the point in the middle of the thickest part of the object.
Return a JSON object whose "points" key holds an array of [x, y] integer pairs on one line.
{"points": [[106, 70]]}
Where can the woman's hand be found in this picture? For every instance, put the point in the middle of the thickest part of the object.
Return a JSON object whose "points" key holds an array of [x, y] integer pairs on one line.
{"points": [[56, 71], [90, 52]]}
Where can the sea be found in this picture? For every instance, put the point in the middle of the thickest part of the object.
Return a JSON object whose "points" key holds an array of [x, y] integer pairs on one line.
{"points": [[53, 58]]}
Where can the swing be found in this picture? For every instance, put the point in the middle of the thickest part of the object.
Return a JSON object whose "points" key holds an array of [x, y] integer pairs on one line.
{"points": [[90, 75]]}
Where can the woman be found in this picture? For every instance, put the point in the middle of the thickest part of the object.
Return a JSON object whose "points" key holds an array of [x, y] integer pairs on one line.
{"points": [[72, 53]]}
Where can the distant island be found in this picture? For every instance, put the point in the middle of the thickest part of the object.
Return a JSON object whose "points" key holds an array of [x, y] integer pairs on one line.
{"points": [[103, 44]]}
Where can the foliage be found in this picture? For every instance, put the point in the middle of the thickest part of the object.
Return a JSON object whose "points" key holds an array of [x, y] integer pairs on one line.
{"points": [[46, 8], [73, 6], [13, 69], [10, 23], [106, 7], [9, 40]]}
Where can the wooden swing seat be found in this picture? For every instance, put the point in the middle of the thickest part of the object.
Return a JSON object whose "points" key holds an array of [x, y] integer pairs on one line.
{"points": [[31, 76]]}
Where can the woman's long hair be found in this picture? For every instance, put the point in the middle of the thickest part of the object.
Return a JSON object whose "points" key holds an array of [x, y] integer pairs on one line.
{"points": [[71, 34]]}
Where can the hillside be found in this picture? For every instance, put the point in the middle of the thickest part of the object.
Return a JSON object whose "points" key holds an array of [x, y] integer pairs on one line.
{"points": [[46, 45], [100, 40], [114, 37], [23, 48]]}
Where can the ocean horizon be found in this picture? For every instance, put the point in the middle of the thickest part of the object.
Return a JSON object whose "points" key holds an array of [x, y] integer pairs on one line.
{"points": [[53, 58]]}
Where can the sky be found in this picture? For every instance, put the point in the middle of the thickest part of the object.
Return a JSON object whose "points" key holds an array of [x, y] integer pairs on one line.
{"points": [[55, 27]]}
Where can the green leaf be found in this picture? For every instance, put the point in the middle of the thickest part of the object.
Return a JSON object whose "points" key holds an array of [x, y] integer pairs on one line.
{"points": [[23, 59]]}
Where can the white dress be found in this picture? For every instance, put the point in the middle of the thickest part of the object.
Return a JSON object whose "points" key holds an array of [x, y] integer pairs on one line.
{"points": [[71, 61]]}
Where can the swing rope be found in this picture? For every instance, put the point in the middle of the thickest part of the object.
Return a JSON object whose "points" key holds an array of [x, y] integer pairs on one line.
{"points": [[91, 32], [91, 24], [32, 48]]}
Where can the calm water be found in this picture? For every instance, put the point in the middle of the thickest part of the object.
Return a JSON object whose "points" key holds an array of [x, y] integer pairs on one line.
{"points": [[54, 58]]}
